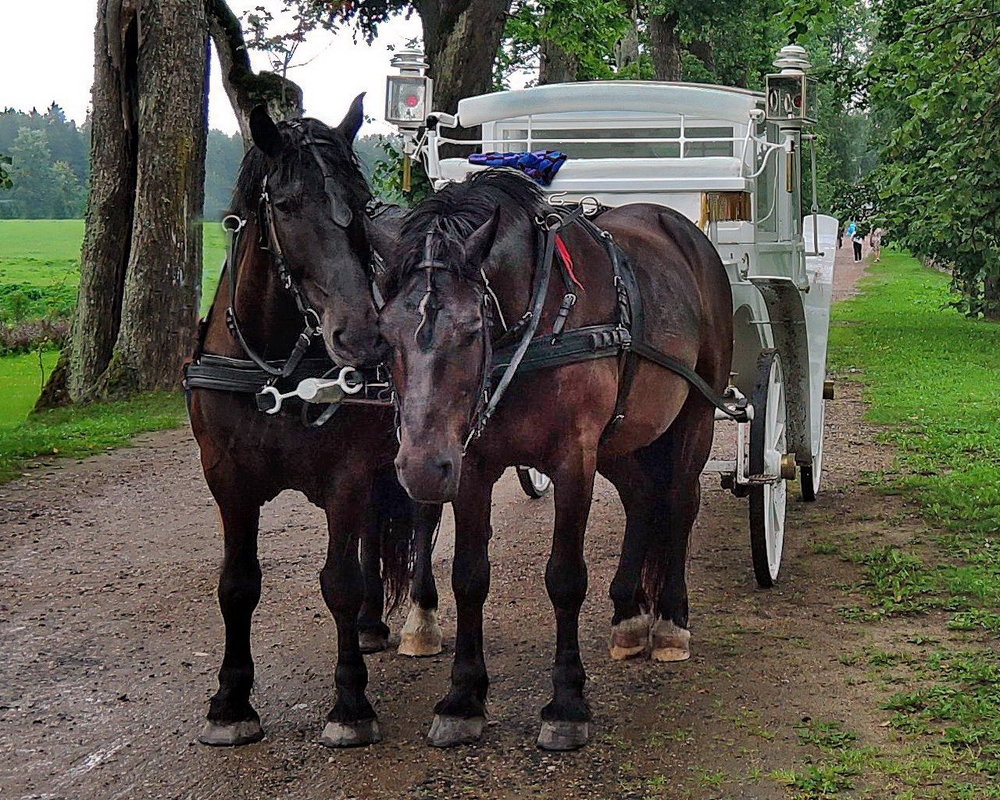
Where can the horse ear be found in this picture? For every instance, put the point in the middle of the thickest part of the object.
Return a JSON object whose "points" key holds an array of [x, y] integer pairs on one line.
{"points": [[478, 246], [264, 132], [353, 118]]}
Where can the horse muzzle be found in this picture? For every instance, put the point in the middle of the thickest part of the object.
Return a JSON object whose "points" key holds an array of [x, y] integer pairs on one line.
{"points": [[429, 477]]}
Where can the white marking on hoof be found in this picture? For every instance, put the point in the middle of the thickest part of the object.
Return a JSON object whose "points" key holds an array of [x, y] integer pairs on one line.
{"points": [[421, 634], [563, 735], [630, 637], [232, 735], [450, 731], [357, 734], [669, 642]]}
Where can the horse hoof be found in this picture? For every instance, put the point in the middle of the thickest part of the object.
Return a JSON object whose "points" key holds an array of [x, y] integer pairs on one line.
{"points": [[630, 637], [353, 734], [563, 735], [372, 642], [669, 642], [450, 731], [233, 734], [421, 635]]}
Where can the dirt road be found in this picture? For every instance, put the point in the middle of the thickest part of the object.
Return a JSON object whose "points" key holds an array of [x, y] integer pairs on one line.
{"points": [[111, 638]]}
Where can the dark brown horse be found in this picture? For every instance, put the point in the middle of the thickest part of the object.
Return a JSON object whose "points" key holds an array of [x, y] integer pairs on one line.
{"points": [[467, 262], [297, 296]]}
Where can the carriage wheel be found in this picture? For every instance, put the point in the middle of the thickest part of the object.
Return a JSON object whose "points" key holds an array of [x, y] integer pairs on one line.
{"points": [[534, 483], [767, 452], [811, 474]]}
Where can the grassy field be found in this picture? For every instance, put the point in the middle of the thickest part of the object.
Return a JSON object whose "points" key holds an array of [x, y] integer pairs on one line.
{"points": [[46, 252], [22, 377]]}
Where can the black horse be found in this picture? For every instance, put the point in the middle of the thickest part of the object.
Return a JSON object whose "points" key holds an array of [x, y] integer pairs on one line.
{"points": [[638, 312], [295, 300]]}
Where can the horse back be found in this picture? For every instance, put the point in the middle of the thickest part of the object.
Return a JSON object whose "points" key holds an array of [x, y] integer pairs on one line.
{"points": [[686, 296]]}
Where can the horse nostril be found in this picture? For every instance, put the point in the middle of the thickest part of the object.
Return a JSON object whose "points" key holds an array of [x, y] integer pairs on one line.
{"points": [[447, 467]]}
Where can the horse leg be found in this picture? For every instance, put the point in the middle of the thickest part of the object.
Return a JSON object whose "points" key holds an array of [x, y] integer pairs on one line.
{"points": [[231, 718], [352, 721], [566, 718], [676, 461], [421, 634], [460, 716], [631, 620], [373, 633]]}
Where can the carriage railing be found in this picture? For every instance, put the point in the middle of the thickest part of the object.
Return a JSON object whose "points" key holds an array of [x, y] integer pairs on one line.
{"points": [[751, 144]]}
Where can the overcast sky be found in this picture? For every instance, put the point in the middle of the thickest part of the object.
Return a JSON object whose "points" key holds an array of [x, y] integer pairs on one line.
{"points": [[48, 55]]}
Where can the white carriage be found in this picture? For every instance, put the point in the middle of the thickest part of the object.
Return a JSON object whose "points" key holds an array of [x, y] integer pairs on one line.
{"points": [[731, 161]]}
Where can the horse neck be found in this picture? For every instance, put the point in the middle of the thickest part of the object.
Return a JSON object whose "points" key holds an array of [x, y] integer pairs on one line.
{"points": [[511, 268], [268, 318]]}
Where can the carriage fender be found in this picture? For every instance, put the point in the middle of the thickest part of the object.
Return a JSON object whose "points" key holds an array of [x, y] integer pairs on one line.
{"points": [[788, 329]]}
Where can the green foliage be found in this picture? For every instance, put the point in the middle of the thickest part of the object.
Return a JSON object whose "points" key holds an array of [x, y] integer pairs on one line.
{"points": [[40, 187], [5, 181], [933, 80], [386, 176]]}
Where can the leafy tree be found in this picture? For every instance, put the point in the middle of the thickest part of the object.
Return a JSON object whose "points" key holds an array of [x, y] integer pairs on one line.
{"points": [[933, 82], [34, 192]]}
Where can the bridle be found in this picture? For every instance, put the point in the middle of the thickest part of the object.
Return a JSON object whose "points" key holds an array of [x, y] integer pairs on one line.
{"points": [[429, 265], [271, 243], [523, 330]]}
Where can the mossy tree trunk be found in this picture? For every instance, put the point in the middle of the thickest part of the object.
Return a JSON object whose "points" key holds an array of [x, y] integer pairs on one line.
{"points": [[140, 267]]}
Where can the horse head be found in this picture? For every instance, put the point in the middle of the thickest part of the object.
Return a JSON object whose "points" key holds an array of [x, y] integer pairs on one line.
{"points": [[438, 321], [303, 183]]}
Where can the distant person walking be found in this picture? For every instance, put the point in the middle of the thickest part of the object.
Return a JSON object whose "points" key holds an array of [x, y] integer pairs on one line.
{"points": [[875, 240], [857, 240], [840, 236]]}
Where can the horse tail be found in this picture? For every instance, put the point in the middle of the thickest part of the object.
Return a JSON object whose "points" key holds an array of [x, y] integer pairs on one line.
{"points": [[394, 524]]}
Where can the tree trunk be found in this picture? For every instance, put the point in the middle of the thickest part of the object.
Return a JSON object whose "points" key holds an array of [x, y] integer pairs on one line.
{"points": [[665, 46], [107, 239], [702, 48], [627, 48], [244, 87], [162, 282], [991, 297], [557, 66], [461, 41]]}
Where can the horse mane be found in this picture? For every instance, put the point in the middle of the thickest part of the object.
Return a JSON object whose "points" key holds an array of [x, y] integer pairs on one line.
{"points": [[455, 212], [337, 153]]}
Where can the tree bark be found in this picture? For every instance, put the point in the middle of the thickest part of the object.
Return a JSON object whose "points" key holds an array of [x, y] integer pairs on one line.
{"points": [[162, 282], [461, 40], [557, 66], [107, 239], [665, 46], [244, 87]]}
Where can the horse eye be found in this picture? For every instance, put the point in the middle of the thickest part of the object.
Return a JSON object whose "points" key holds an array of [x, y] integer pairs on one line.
{"points": [[286, 205]]}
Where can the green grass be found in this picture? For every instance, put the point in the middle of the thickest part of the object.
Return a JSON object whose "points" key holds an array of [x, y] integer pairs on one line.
{"points": [[39, 272], [46, 253], [83, 431], [22, 383], [931, 378]]}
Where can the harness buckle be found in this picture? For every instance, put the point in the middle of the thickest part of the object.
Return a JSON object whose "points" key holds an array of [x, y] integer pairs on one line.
{"points": [[233, 224]]}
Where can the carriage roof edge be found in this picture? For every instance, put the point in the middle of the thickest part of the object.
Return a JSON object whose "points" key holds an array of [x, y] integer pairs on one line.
{"points": [[696, 99]]}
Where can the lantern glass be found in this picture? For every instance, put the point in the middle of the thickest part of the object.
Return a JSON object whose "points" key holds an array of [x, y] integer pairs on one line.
{"points": [[405, 100], [791, 96]]}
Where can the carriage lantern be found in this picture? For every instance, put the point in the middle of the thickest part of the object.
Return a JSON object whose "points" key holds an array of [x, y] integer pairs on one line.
{"points": [[408, 94], [791, 93]]}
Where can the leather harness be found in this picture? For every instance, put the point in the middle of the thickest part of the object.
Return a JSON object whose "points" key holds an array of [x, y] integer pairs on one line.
{"points": [[518, 349]]}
